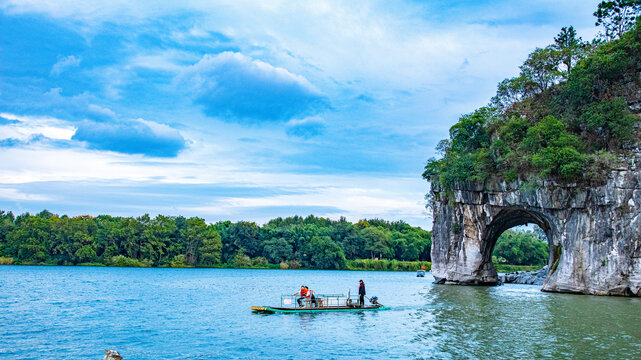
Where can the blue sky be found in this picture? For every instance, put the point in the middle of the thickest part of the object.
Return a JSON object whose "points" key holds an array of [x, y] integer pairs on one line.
{"points": [[248, 110]]}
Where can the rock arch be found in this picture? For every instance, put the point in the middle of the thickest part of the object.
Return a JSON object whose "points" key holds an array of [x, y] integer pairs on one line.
{"points": [[594, 233], [510, 217]]}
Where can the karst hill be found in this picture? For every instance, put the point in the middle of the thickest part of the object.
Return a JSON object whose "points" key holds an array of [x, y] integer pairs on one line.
{"points": [[559, 146]]}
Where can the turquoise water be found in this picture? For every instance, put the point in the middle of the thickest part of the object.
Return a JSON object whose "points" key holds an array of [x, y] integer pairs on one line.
{"points": [[76, 312]]}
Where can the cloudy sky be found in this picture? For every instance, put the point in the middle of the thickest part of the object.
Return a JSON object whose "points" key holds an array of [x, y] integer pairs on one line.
{"points": [[248, 110]]}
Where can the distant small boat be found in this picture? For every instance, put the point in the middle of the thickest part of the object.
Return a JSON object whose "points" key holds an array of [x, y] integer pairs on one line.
{"points": [[320, 303], [420, 273]]}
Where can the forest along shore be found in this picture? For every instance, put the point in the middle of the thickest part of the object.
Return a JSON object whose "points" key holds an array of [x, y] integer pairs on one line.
{"points": [[167, 241]]}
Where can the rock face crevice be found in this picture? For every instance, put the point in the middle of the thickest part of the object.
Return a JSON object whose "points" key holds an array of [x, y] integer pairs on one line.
{"points": [[594, 233]]}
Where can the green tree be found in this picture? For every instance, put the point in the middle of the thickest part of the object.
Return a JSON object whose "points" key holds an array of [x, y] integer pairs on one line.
{"points": [[554, 150], [30, 239], [229, 247], [421, 240], [399, 246], [106, 238], [326, 254], [467, 156], [377, 242], [609, 124], [179, 244], [193, 235], [571, 49], [277, 250], [410, 246], [236, 235], [617, 16], [541, 69], [521, 248], [299, 235], [72, 240], [179, 261], [240, 259], [132, 230], [470, 132], [512, 91], [211, 247], [247, 237], [156, 236], [86, 253], [344, 233], [6, 225]]}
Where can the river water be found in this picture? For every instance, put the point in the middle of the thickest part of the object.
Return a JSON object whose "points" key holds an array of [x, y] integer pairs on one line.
{"points": [[76, 312]]}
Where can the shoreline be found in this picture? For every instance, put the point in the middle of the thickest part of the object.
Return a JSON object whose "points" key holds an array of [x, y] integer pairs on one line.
{"points": [[199, 267], [355, 265], [511, 268]]}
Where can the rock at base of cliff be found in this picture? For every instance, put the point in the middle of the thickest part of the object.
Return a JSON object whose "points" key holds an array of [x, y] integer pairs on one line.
{"points": [[525, 277]]}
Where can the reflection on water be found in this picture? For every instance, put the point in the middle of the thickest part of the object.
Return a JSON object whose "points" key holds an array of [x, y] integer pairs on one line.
{"points": [[520, 321], [74, 312]]}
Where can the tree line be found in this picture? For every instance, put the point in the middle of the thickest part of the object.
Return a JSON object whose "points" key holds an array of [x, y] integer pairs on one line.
{"points": [[292, 242]]}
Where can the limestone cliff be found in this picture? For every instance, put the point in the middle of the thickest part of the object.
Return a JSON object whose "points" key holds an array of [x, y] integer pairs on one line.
{"points": [[594, 233]]}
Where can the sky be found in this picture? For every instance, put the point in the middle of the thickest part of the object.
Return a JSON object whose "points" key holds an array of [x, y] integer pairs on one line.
{"points": [[248, 110]]}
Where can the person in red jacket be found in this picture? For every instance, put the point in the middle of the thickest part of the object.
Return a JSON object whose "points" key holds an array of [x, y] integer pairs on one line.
{"points": [[303, 294], [311, 297]]}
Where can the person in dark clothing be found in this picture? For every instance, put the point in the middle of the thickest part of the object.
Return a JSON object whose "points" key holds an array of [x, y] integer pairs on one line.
{"points": [[312, 297], [361, 293]]}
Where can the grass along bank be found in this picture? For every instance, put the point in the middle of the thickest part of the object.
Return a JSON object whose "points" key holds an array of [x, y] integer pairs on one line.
{"points": [[505, 268], [354, 265], [247, 263], [387, 265]]}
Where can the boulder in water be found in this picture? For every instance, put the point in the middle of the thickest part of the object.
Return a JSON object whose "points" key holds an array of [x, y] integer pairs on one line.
{"points": [[525, 277], [112, 355]]}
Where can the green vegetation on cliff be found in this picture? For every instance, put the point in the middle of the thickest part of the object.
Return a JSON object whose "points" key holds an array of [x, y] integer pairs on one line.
{"points": [[565, 117]]}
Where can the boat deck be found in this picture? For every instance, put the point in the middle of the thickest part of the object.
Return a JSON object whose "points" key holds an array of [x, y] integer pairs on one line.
{"points": [[321, 303], [272, 310]]}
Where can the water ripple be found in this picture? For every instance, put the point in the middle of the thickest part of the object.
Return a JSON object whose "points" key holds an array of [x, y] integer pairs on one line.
{"points": [[75, 313]]}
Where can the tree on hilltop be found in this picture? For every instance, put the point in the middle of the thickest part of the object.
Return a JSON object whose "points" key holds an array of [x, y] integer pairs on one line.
{"points": [[617, 16], [571, 49]]}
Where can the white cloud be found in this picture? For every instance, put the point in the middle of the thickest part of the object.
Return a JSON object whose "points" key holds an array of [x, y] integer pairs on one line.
{"points": [[166, 60], [233, 86], [87, 10], [377, 200], [354, 197], [306, 121], [28, 126], [448, 61], [402, 45], [131, 137], [99, 110], [64, 63], [13, 194], [306, 127]]}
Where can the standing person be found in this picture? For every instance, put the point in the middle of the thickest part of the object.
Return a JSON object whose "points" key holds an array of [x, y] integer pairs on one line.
{"points": [[303, 295], [361, 293]]}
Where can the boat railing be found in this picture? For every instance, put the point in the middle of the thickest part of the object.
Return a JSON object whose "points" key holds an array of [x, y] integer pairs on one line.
{"points": [[319, 301]]}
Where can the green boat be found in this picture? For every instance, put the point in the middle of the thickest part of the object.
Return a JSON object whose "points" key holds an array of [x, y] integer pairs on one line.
{"points": [[320, 303]]}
